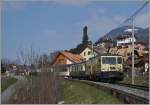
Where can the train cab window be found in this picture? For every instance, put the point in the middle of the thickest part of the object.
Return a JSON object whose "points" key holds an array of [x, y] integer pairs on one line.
{"points": [[109, 60], [119, 60], [112, 60]]}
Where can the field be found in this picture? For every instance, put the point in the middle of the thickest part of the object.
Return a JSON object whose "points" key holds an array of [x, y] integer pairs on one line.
{"points": [[80, 93], [6, 82]]}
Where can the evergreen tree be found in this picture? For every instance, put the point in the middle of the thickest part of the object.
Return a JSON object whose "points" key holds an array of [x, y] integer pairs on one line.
{"points": [[84, 43], [85, 37]]}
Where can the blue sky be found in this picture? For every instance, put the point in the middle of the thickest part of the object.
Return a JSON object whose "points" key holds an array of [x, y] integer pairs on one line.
{"points": [[57, 24]]}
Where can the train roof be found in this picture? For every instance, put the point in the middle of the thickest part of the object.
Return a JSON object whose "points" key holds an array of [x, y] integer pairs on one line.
{"points": [[104, 54]]}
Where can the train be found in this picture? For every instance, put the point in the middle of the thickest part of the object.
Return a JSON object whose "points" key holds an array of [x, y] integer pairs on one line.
{"points": [[107, 68]]}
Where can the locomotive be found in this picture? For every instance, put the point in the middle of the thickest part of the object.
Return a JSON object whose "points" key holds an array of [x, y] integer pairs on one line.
{"points": [[98, 68]]}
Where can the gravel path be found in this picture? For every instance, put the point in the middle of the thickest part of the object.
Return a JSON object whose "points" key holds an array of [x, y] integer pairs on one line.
{"points": [[5, 95]]}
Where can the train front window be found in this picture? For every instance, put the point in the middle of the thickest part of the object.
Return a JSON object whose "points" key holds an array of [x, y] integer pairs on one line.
{"points": [[119, 60], [109, 60]]}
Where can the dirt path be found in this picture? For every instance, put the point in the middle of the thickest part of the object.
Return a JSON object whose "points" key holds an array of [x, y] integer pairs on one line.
{"points": [[5, 95]]}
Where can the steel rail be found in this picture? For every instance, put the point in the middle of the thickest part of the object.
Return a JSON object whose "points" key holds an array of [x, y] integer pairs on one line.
{"points": [[140, 87]]}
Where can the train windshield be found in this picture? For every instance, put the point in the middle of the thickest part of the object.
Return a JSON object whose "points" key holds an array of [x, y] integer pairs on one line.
{"points": [[109, 60]]}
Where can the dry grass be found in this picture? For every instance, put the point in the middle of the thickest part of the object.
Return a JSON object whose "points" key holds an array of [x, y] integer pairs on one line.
{"points": [[43, 88]]}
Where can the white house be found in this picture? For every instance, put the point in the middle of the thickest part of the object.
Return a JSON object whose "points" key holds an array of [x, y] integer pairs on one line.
{"points": [[88, 52], [124, 39]]}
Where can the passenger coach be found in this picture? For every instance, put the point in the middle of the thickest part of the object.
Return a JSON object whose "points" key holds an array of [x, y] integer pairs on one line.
{"points": [[99, 68]]}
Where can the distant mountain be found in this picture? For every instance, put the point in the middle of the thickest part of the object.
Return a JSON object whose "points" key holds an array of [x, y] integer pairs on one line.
{"points": [[141, 34]]}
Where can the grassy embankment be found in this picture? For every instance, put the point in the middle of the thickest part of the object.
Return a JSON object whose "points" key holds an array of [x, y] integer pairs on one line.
{"points": [[80, 93], [5, 83]]}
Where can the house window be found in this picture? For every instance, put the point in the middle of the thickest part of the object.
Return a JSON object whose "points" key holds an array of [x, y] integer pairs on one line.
{"points": [[84, 53], [61, 61], [89, 52]]}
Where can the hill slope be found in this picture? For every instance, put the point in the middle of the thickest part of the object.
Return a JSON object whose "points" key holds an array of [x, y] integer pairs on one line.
{"points": [[141, 34]]}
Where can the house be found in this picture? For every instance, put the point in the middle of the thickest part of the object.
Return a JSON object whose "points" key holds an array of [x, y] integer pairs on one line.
{"points": [[126, 49], [123, 39], [65, 58], [91, 51]]}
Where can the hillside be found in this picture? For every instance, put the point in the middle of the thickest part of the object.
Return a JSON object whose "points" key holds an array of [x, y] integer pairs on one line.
{"points": [[141, 34]]}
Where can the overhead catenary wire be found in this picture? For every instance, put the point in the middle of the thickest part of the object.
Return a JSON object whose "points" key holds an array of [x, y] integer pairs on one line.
{"points": [[131, 18], [134, 14]]}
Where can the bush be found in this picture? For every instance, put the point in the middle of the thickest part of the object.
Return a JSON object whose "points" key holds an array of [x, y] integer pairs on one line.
{"points": [[3, 70], [33, 73]]}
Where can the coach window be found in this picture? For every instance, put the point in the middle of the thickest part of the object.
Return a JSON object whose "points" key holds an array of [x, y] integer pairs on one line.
{"points": [[119, 60], [99, 60], [81, 67]]}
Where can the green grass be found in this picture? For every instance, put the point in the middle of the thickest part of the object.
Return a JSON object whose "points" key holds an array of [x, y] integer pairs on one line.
{"points": [[138, 81], [80, 93], [7, 82]]}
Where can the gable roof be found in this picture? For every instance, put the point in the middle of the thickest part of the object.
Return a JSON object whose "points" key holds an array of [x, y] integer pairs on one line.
{"points": [[72, 57], [96, 49]]}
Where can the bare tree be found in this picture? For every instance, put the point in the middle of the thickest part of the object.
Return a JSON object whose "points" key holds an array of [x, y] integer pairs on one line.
{"points": [[28, 56], [41, 88]]}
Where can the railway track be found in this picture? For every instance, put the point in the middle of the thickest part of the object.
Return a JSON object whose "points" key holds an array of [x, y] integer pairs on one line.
{"points": [[130, 94], [145, 88]]}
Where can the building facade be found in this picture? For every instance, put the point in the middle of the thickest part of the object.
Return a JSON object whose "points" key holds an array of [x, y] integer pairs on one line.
{"points": [[124, 39]]}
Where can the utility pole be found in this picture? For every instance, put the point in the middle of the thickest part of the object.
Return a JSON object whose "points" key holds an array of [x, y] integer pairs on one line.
{"points": [[92, 57], [133, 75], [92, 51]]}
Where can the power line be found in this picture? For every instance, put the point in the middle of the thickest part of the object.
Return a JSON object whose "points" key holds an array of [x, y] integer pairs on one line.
{"points": [[135, 13]]}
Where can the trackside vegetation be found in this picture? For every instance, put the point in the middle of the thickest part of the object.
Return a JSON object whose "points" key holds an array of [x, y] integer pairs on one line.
{"points": [[80, 93]]}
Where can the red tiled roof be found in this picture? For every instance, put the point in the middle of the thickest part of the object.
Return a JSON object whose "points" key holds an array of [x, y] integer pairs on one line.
{"points": [[73, 57]]}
